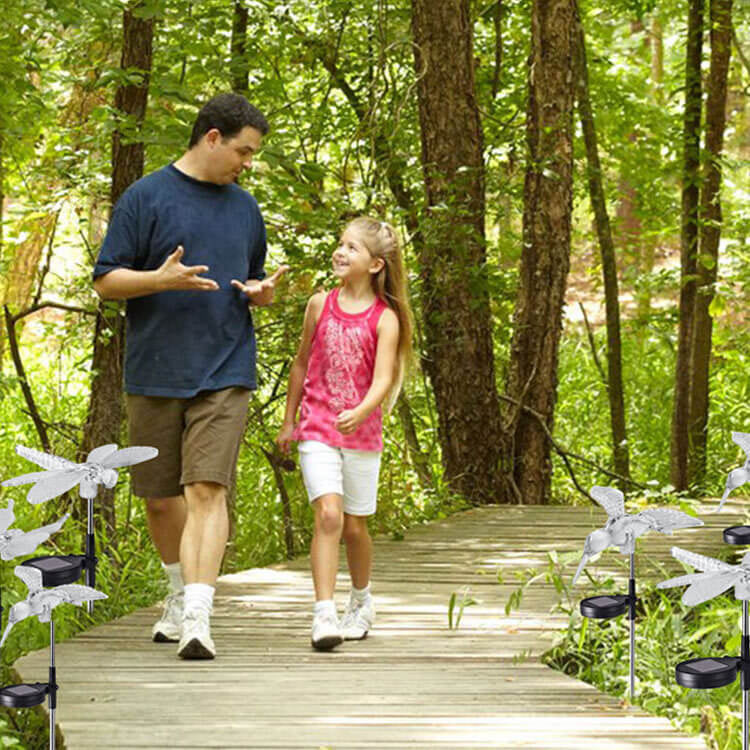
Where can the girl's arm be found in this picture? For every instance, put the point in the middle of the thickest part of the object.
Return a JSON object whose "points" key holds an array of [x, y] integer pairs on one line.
{"points": [[299, 370], [382, 377]]}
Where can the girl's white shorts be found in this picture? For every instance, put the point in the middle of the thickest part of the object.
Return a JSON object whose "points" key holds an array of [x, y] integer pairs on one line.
{"points": [[350, 473]]}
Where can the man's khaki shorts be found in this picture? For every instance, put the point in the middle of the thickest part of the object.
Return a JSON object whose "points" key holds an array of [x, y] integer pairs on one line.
{"points": [[198, 439]]}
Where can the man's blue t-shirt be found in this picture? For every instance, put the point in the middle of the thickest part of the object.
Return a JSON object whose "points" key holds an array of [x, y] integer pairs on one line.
{"points": [[182, 342]]}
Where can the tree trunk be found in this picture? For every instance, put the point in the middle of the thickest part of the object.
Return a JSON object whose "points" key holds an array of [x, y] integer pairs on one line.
{"points": [[609, 267], [105, 406], [710, 233], [545, 259], [238, 63], [455, 299], [688, 245]]}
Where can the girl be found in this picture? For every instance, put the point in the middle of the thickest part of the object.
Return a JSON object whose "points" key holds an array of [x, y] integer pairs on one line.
{"points": [[356, 342]]}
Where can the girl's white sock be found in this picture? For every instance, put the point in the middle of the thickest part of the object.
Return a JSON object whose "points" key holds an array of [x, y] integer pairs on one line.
{"points": [[174, 575], [199, 596], [360, 596]]}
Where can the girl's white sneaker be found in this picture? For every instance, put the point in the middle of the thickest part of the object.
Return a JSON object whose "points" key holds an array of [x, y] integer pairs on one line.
{"points": [[358, 619], [326, 633]]}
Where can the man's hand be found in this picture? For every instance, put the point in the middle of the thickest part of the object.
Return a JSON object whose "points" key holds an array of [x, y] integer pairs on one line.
{"points": [[173, 275], [260, 292], [348, 420]]}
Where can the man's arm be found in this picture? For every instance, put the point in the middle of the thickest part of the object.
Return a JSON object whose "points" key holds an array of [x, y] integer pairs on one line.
{"points": [[125, 283]]}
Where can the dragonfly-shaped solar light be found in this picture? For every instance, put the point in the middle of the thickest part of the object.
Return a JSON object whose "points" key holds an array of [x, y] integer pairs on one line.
{"points": [[621, 530], [714, 578], [40, 602], [61, 475]]}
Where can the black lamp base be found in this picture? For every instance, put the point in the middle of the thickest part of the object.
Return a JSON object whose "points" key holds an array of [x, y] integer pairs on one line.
{"points": [[57, 570], [737, 535], [605, 606], [707, 672], [24, 696]]}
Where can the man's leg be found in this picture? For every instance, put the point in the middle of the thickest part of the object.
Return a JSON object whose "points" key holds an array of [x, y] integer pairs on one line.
{"points": [[206, 531], [157, 421], [202, 547], [214, 424], [166, 519]]}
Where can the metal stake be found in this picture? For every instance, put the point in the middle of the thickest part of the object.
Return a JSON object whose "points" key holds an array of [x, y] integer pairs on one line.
{"points": [[632, 627], [744, 676], [90, 553], [52, 684]]}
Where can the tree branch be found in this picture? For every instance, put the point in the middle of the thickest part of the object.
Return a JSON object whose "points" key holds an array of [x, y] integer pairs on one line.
{"points": [[27, 394], [565, 454]]}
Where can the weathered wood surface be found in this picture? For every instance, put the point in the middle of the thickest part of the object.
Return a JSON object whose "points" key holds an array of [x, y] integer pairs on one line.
{"points": [[413, 683]]}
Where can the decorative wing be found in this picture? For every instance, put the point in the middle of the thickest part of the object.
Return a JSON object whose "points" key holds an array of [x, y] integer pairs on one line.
{"points": [[667, 520], [135, 454], [35, 476], [32, 577], [98, 455], [701, 562], [26, 543], [7, 516], [684, 580], [611, 499], [743, 440], [709, 586], [55, 483], [45, 460], [75, 593]]}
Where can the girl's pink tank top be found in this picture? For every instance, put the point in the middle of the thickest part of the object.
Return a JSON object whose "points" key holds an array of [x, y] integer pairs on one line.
{"points": [[339, 374]]}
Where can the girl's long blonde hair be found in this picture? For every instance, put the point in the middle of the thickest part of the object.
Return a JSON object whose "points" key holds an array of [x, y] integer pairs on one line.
{"points": [[389, 284]]}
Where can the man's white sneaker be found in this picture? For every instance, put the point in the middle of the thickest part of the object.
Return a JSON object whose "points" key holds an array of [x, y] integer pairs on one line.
{"points": [[196, 640], [169, 628], [326, 633], [358, 619]]}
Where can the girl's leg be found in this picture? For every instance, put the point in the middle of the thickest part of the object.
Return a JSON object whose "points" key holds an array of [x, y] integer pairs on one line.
{"points": [[358, 549], [324, 551]]}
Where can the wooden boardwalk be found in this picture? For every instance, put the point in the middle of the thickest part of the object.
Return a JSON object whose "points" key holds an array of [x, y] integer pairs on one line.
{"points": [[412, 684]]}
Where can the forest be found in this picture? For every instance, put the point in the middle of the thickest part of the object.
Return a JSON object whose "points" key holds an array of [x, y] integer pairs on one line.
{"points": [[570, 179]]}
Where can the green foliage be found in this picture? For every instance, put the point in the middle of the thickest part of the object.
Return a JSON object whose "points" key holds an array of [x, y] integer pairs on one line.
{"points": [[457, 603]]}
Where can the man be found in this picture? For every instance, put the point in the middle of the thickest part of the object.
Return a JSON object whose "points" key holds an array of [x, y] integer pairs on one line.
{"points": [[186, 248]]}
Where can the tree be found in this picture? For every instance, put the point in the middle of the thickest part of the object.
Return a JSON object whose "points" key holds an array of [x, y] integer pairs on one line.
{"points": [[105, 406], [615, 387], [710, 232], [688, 244], [458, 353], [545, 259]]}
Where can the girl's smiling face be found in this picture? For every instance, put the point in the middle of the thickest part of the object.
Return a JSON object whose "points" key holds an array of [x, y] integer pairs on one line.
{"points": [[352, 260]]}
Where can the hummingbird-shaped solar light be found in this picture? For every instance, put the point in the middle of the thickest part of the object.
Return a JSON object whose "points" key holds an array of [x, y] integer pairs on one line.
{"points": [[738, 477], [14, 542], [713, 578], [40, 603], [621, 530], [61, 475]]}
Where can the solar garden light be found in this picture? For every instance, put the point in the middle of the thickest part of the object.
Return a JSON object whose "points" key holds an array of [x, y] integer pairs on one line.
{"points": [[40, 602], [716, 577], [621, 530], [62, 475]]}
